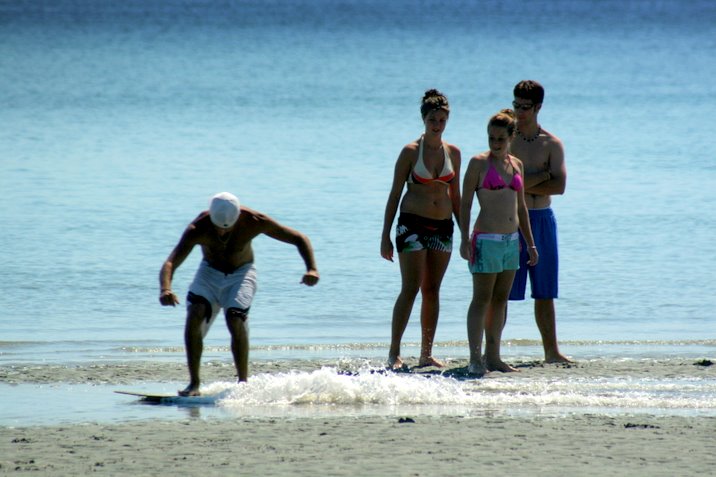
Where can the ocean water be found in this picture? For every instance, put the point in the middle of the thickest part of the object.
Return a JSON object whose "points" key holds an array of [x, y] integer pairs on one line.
{"points": [[120, 119]]}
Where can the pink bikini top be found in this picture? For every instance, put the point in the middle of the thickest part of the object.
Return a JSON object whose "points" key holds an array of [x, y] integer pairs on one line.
{"points": [[493, 180]]}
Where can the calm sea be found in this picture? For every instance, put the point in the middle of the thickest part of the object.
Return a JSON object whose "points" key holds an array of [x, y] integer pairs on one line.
{"points": [[119, 120]]}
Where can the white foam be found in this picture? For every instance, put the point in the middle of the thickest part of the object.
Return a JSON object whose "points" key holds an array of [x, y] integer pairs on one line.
{"points": [[330, 387], [375, 391]]}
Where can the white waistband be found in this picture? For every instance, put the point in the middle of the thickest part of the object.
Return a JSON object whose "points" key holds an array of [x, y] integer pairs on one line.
{"points": [[498, 237]]}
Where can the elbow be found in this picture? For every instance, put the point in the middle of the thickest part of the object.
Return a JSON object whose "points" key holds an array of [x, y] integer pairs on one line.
{"points": [[561, 187], [166, 268], [302, 241]]}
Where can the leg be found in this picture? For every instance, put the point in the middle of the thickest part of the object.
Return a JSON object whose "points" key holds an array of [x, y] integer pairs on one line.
{"points": [[546, 322], [482, 286], [435, 267], [194, 343], [496, 322], [491, 313], [544, 282], [236, 321], [412, 265]]}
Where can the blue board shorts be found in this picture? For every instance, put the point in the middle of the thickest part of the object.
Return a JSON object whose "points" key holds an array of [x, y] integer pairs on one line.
{"points": [[494, 253], [223, 290], [543, 276]]}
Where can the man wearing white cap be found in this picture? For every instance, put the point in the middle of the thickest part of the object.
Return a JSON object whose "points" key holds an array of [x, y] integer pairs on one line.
{"points": [[226, 277]]}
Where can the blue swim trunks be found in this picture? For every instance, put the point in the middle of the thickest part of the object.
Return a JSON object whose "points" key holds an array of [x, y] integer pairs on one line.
{"points": [[543, 276], [494, 253]]}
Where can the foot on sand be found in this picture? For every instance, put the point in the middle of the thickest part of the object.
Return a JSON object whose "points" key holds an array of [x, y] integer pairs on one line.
{"points": [[556, 358], [395, 363], [477, 370], [499, 365], [191, 390], [430, 361]]}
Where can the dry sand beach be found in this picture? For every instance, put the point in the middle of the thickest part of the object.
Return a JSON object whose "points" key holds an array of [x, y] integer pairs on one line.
{"points": [[579, 445], [535, 442]]}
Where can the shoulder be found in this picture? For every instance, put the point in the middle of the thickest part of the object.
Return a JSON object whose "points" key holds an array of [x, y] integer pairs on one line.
{"points": [[201, 223], [480, 160], [478, 163], [408, 157], [254, 222], [516, 161], [197, 228], [551, 139], [453, 151], [250, 216], [410, 149]]}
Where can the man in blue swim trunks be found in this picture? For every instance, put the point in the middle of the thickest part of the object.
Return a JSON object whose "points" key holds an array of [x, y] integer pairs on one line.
{"points": [[542, 154], [226, 277]]}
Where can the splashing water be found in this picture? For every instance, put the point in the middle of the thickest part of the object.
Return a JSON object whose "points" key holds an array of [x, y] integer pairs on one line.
{"points": [[375, 391]]}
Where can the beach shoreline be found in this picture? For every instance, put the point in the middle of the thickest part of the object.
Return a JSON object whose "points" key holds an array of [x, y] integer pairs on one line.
{"points": [[525, 423], [132, 372]]}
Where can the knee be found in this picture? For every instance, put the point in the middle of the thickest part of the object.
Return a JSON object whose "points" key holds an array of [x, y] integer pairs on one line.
{"points": [[430, 291], [199, 308], [236, 321], [410, 290], [233, 314], [196, 315], [500, 297]]}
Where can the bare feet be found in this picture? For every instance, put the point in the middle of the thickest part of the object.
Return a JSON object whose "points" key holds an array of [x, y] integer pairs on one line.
{"points": [[499, 365], [191, 390], [556, 358], [395, 363], [476, 369], [430, 361]]}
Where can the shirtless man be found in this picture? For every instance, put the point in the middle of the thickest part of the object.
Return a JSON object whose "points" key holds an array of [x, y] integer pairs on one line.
{"points": [[226, 277], [542, 154]]}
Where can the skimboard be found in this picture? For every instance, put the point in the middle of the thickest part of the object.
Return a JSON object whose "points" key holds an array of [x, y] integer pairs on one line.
{"points": [[152, 398], [174, 399]]}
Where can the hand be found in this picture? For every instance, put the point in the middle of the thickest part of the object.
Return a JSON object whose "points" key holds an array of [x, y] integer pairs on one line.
{"points": [[465, 250], [548, 172], [168, 298], [534, 256], [386, 249], [310, 278]]}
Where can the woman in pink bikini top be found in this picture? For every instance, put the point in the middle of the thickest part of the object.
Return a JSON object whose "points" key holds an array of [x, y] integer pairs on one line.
{"points": [[495, 177]]}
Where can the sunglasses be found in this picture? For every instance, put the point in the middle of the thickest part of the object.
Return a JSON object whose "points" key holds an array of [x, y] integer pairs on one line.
{"points": [[523, 107]]}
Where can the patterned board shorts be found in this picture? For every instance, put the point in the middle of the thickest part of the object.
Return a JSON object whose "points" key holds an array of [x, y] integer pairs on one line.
{"points": [[415, 232]]}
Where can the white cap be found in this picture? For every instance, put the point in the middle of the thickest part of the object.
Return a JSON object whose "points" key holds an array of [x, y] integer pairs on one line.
{"points": [[224, 209]]}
